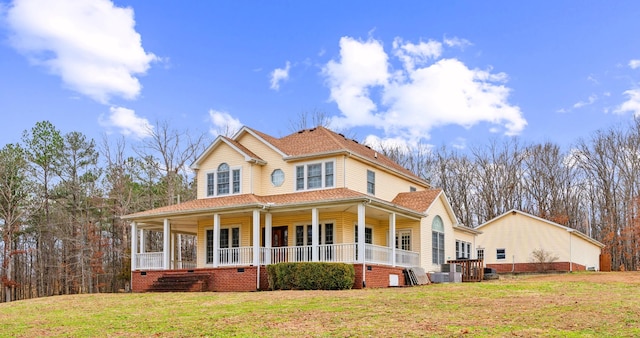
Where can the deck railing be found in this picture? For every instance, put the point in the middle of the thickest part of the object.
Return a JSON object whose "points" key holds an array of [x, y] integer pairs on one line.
{"points": [[472, 269]]}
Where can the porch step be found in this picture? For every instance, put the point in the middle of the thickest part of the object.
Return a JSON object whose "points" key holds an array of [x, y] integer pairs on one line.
{"points": [[182, 282]]}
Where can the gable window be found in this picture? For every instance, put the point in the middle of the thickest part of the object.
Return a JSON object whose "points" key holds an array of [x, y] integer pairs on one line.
{"points": [[224, 181], [501, 253], [437, 241], [210, 184], [371, 182], [315, 175]]}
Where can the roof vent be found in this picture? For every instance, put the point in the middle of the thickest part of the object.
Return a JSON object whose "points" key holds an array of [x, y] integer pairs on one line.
{"points": [[375, 154]]}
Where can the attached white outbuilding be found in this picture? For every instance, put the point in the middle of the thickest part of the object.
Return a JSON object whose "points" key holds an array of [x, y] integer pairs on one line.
{"points": [[507, 243]]}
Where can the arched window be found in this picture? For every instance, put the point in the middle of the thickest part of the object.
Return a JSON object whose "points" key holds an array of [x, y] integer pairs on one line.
{"points": [[437, 241], [223, 179]]}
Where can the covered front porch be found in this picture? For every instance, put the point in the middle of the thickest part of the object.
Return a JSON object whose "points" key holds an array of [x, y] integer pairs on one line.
{"points": [[356, 233]]}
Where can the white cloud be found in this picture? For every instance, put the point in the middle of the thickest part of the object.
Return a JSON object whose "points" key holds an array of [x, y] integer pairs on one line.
{"points": [[592, 98], [223, 123], [420, 54], [363, 64], [634, 64], [457, 42], [632, 104], [279, 75], [91, 44], [127, 122], [426, 93]]}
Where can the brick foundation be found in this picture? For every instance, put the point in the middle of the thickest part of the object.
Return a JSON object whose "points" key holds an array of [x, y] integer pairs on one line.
{"points": [[535, 267], [235, 279]]}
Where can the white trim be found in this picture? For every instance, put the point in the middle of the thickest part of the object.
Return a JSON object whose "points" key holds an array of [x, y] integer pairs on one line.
{"points": [[214, 144], [404, 230], [515, 211], [323, 174], [215, 181]]}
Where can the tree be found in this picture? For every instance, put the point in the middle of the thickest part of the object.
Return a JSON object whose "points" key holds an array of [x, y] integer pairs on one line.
{"points": [[171, 151], [43, 144], [14, 190], [78, 195]]}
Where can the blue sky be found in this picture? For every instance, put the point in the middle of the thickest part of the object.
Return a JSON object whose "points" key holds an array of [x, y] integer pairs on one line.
{"points": [[452, 73]]}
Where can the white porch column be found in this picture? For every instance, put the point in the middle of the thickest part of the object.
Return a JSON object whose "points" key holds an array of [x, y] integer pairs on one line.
{"points": [[361, 241], [166, 248], [315, 236], [256, 237], [216, 240], [134, 245], [267, 236], [361, 226], [143, 241], [180, 251], [172, 256], [392, 237]]}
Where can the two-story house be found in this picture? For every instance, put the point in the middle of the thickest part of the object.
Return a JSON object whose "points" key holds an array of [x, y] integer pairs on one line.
{"points": [[314, 195]]}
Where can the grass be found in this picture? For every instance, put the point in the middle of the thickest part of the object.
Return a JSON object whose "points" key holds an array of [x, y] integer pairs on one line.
{"points": [[561, 306]]}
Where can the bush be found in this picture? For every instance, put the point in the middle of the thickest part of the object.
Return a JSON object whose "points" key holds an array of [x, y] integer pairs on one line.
{"points": [[543, 259], [311, 276]]}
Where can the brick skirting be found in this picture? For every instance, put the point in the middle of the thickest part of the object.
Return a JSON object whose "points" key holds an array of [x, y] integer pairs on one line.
{"points": [[535, 267], [235, 279]]}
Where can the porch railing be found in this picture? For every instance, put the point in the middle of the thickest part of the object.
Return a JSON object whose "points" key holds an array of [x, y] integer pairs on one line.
{"points": [[236, 256], [149, 261], [337, 253]]}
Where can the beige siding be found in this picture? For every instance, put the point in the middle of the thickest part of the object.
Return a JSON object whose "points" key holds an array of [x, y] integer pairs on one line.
{"points": [[223, 154], [246, 233], [438, 208], [387, 185], [262, 174], [520, 234]]}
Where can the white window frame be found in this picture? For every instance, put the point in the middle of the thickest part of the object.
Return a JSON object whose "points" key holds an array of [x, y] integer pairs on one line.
{"points": [[503, 253], [398, 242], [214, 172], [463, 249], [323, 175], [371, 191], [323, 232], [230, 227]]}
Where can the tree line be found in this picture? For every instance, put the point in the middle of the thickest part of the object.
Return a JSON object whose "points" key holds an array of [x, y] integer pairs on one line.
{"points": [[61, 196], [593, 187]]}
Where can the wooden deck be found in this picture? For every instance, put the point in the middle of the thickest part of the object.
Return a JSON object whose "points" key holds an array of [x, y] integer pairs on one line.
{"points": [[472, 269]]}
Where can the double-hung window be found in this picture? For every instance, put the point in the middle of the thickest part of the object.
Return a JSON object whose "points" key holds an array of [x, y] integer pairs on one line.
{"points": [[224, 181], [371, 182], [315, 175]]}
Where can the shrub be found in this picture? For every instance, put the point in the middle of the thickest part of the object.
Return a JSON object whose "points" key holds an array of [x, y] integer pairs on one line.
{"points": [[311, 276], [543, 259]]}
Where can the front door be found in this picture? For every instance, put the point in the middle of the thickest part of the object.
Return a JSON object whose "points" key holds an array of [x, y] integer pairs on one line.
{"points": [[280, 238]]}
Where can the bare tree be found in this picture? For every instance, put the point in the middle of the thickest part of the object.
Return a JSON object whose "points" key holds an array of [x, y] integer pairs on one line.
{"points": [[173, 151]]}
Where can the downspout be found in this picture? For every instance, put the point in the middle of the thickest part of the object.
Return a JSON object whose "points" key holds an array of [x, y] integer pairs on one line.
{"points": [[570, 251]]}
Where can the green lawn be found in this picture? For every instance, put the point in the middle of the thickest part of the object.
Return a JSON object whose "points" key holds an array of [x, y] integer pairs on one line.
{"points": [[561, 306]]}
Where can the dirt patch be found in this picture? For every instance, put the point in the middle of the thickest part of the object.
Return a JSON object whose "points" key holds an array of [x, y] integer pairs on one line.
{"points": [[596, 277]]}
